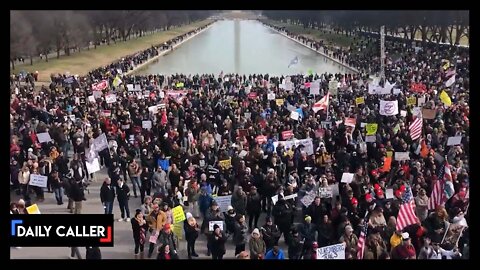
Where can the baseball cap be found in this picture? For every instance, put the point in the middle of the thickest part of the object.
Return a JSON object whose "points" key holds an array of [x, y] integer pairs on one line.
{"points": [[405, 236]]}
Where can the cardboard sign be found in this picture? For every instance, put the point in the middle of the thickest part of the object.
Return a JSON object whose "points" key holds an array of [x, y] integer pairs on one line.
{"points": [[347, 178], [223, 202], [371, 128], [44, 137], [178, 214], [212, 223], [429, 113], [325, 192], [112, 98], [38, 180]]}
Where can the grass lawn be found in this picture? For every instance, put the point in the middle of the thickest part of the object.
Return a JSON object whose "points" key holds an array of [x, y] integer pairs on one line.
{"points": [[85, 61]]}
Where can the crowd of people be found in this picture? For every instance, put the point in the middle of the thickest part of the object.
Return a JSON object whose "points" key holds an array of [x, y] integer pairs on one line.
{"points": [[184, 140]]}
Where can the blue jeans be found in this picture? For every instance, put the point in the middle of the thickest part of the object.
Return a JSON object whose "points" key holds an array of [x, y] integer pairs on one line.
{"points": [[59, 194], [108, 207], [124, 209], [136, 181]]}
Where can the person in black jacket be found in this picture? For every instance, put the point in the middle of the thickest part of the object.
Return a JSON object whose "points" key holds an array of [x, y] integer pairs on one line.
{"points": [[146, 182], [254, 206], [217, 240], [93, 253], [107, 195], [139, 229], [282, 212], [295, 245], [77, 194], [316, 211], [192, 230], [123, 192], [308, 233], [270, 233]]}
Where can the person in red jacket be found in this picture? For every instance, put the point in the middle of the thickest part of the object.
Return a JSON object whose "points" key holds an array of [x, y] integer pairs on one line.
{"points": [[404, 251]]}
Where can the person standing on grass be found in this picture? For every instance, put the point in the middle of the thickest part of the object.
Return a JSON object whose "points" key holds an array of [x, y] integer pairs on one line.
{"points": [[123, 194], [107, 195]]}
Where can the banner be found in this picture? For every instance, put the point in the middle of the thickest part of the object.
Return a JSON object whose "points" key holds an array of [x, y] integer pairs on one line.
{"points": [[93, 166], [360, 100], [225, 164], [43, 137], [223, 202], [388, 107], [33, 209], [178, 214], [112, 98], [100, 85], [371, 128], [287, 135], [38, 180], [333, 252], [411, 101]]}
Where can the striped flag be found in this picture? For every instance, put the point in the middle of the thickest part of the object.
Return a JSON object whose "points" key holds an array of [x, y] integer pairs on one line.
{"points": [[448, 188], [406, 214], [416, 128], [436, 197], [322, 104], [450, 81], [361, 240]]}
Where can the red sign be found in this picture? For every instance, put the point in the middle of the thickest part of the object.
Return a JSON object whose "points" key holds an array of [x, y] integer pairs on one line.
{"points": [[288, 134], [100, 86], [261, 139], [418, 87], [252, 95], [351, 122], [319, 133], [107, 113], [308, 84]]}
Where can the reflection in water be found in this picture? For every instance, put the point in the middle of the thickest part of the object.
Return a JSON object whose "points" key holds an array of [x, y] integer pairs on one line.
{"points": [[243, 47]]}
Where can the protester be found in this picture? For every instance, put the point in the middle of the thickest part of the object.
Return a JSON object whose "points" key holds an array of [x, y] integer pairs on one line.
{"points": [[123, 194], [192, 231], [107, 195], [240, 234], [139, 228], [217, 243], [275, 254], [256, 245]]}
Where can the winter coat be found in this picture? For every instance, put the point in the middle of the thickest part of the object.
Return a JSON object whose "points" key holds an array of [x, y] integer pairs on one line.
{"points": [[136, 229], [239, 203], [240, 234], [168, 239], [107, 194], [123, 193], [254, 205], [190, 231], [282, 212], [217, 246], [257, 247], [316, 212], [270, 234]]}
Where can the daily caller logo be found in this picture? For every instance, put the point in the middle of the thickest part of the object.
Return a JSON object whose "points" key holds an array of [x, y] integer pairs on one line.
{"points": [[61, 232]]}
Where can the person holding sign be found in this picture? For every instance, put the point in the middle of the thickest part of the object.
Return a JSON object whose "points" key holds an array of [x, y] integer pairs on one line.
{"points": [[217, 243]]}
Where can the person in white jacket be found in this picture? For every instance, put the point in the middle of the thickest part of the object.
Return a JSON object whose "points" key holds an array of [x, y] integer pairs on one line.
{"points": [[433, 251]]}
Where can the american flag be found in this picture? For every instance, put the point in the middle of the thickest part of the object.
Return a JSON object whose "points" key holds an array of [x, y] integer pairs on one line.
{"points": [[416, 128], [448, 188], [406, 214], [362, 240], [436, 197]]}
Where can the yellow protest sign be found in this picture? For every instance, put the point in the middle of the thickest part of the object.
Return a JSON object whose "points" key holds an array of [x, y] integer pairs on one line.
{"points": [[371, 128], [33, 209], [411, 101], [360, 100], [178, 214], [389, 154], [225, 164], [179, 85], [279, 101], [177, 229]]}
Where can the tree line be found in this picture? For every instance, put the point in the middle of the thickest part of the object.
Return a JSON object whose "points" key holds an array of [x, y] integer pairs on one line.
{"points": [[445, 26], [34, 33]]}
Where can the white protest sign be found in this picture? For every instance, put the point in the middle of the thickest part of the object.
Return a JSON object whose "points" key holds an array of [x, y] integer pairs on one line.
{"points": [[388, 107], [100, 143], [347, 178], [389, 193], [275, 199], [223, 202], [307, 143], [93, 166], [371, 138], [294, 115], [91, 99], [333, 252], [308, 198], [315, 88], [72, 117], [130, 87], [271, 96], [112, 98], [325, 192], [363, 124], [293, 196], [288, 86], [454, 140], [43, 137], [403, 113], [421, 101], [212, 223], [247, 115], [402, 156], [147, 124], [153, 109], [396, 91], [242, 153], [38, 180]]}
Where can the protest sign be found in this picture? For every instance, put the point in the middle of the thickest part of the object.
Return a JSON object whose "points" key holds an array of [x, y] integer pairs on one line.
{"points": [[454, 140], [307, 143], [177, 229], [178, 214], [43, 137], [411, 101], [279, 101], [91, 99], [275, 199], [100, 143], [93, 166], [388, 107], [147, 124], [371, 139], [429, 113], [212, 223], [294, 115], [112, 98], [371, 128], [347, 178], [223, 202], [288, 134], [402, 156], [289, 197], [33, 209], [389, 193], [315, 88], [225, 164], [452, 235], [308, 198], [333, 252], [325, 192], [350, 122], [38, 180], [359, 100], [271, 96]]}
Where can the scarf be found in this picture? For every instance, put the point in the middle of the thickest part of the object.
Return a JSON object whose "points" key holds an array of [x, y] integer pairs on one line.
{"points": [[142, 230]]}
